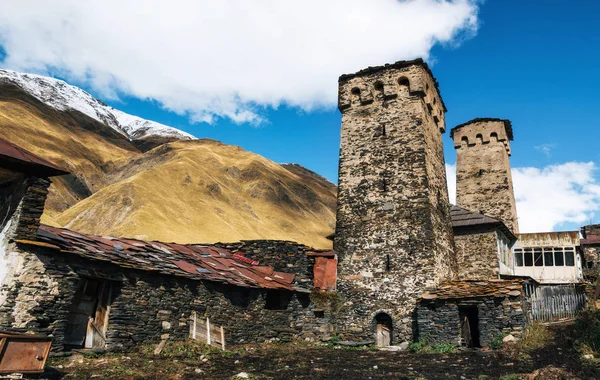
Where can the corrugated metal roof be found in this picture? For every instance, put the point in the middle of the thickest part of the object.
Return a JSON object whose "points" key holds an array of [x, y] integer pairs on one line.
{"points": [[197, 262], [591, 240], [16, 158]]}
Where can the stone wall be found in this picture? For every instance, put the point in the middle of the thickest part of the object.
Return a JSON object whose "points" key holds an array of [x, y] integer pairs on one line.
{"points": [[284, 256], [477, 252], [439, 322], [483, 177], [38, 295], [393, 232]]}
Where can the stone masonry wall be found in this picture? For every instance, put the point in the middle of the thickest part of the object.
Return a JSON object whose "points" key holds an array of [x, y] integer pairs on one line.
{"points": [[477, 253], [439, 322], [284, 256], [38, 296], [483, 177], [393, 232]]}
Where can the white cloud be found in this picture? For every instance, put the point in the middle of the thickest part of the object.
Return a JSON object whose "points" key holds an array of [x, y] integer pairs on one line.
{"points": [[546, 149], [224, 58], [550, 196], [556, 194], [451, 179]]}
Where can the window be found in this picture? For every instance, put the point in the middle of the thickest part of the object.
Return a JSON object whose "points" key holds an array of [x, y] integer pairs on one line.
{"points": [[519, 257], [277, 299], [559, 259], [528, 257], [569, 258], [548, 257], [538, 257]]}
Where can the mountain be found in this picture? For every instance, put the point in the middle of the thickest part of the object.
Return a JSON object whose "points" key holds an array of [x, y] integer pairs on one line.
{"points": [[132, 177], [62, 96], [208, 192]]}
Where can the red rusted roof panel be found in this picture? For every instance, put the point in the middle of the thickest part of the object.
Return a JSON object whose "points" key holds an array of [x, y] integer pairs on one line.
{"points": [[17, 158], [192, 261]]}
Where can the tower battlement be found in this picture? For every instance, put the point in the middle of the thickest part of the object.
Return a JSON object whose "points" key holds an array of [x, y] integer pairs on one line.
{"points": [[483, 131], [384, 83]]}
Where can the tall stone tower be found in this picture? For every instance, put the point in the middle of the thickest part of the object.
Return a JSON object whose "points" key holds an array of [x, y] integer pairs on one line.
{"points": [[393, 231], [483, 179]]}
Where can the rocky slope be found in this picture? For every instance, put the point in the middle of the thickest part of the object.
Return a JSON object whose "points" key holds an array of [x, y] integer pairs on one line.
{"points": [[137, 178]]}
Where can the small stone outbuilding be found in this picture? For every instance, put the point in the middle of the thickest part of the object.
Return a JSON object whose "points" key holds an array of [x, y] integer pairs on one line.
{"points": [[471, 313]]}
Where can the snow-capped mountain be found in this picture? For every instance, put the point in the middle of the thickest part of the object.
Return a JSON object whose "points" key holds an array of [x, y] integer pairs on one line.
{"points": [[63, 96]]}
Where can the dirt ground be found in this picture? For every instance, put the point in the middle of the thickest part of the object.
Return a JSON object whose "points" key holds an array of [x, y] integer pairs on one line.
{"points": [[555, 359]]}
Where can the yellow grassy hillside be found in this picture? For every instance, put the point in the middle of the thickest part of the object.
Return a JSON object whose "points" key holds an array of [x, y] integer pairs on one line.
{"points": [[83, 146], [206, 191]]}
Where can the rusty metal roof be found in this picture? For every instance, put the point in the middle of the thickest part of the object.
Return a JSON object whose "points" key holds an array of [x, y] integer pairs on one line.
{"points": [[16, 158], [591, 240], [473, 289], [197, 262], [461, 217]]}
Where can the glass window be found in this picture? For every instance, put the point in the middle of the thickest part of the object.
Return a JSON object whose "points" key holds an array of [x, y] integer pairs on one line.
{"points": [[569, 258], [519, 257], [538, 258], [528, 258], [548, 257], [559, 260]]}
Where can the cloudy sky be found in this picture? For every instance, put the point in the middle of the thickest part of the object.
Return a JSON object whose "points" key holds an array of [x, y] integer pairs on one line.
{"points": [[262, 74]]}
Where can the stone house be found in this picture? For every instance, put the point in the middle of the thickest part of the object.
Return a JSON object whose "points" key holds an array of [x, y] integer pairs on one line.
{"points": [[482, 243], [91, 291]]}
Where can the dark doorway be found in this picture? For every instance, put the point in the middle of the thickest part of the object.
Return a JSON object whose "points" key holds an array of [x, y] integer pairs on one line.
{"points": [[469, 326], [88, 319], [383, 332]]}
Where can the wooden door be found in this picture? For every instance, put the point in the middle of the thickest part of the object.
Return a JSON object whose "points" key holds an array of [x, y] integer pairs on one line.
{"points": [[383, 335], [82, 309], [88, 320], [97, 326], [465, 330]]}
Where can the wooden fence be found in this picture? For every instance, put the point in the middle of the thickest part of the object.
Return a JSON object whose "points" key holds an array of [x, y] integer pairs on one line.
{"points": [[205, 331], [547, 303]]}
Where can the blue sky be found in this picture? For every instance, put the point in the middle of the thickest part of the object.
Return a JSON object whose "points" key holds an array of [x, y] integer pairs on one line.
{"points": [[535, 65]]}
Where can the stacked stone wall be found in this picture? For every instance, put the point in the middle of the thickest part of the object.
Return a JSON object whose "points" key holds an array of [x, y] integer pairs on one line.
{"points": [[393, 233], [477, 253], [38, 296], [439, 321], [284, 256]]}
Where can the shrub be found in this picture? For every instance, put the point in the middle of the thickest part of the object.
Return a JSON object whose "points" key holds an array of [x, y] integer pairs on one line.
{"points": [[587, 332], [536, 336], [497, 341], [444, 348]]}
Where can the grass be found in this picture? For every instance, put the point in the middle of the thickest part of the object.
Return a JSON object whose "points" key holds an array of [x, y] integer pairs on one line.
{"points": [[497, 341], [423, 346]]}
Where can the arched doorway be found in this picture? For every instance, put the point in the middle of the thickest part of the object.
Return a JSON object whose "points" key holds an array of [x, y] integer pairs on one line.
{"points": [[383, 331]]}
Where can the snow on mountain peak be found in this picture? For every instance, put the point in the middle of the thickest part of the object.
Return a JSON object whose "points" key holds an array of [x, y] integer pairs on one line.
{"points": [[62, 96]]}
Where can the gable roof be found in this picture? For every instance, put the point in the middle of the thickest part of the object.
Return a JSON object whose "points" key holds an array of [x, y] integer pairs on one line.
{"points": [[18, 159], [197, 262], [462, 218]]}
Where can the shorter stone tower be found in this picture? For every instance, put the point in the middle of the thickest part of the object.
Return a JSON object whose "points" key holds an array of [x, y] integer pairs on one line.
{"points": [[483, 179], [393, 230]]}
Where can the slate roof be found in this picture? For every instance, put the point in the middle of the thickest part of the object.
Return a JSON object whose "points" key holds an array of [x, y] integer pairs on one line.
{"points": [[18, 159], [473, 289], [461, 217], [197, 262]]}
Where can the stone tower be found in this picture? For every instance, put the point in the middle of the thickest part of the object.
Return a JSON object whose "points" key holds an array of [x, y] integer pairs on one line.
{"points": [[393, 231], [483, 178]]}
